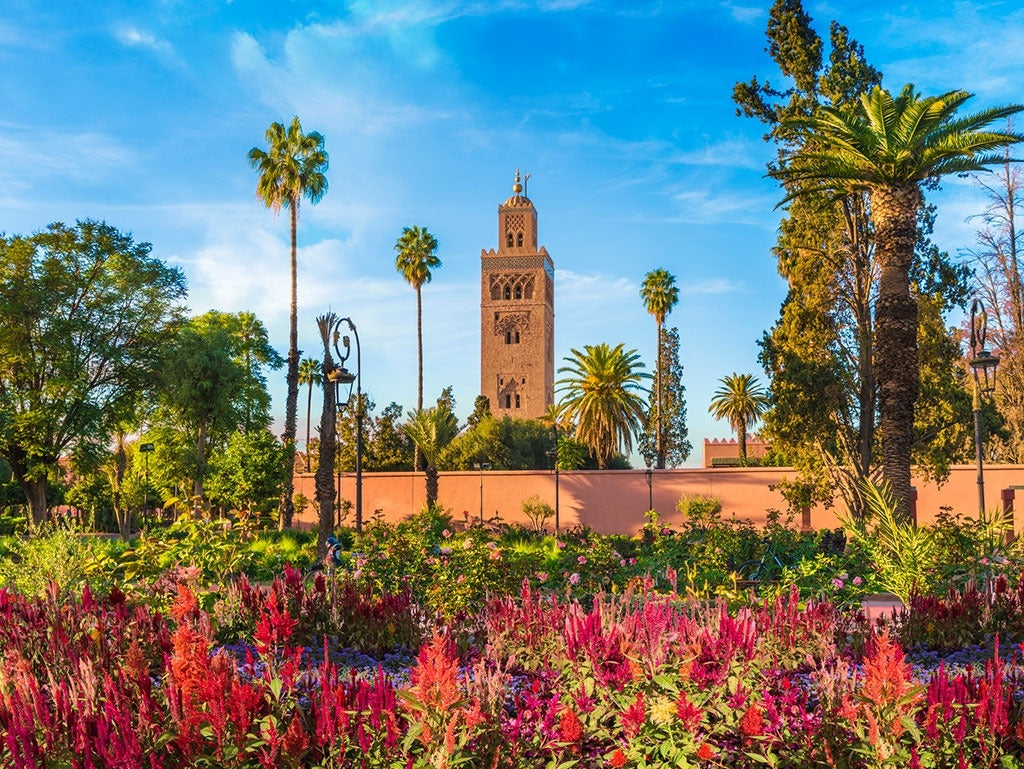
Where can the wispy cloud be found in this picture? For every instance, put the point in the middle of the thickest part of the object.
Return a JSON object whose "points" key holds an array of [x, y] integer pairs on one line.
{"points": [[30, 157], [744, 14], [712, 286], [734, 153], [133, 37]]}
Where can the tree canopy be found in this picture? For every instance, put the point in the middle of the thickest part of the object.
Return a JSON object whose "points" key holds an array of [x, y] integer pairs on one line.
{"points": [[85, 312]]}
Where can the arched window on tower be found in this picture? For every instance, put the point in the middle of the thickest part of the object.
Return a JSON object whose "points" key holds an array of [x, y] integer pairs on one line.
{"points": [[517, 400], [519, 292], [517, 337], [508, 239], [508, 337], [508, 401], [519, 240], [508, 292]]}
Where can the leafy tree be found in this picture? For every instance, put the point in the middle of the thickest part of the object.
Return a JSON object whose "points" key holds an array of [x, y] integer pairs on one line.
{"points": [[309, 374], [84, 314], [432, 430], [291, 168], [997, 261], [741, 401], [481, 410], [417, 256], [660, 295], [200, 392], [675, 445], [248, 474], [601, 397], [889, 147], [506, 443]]}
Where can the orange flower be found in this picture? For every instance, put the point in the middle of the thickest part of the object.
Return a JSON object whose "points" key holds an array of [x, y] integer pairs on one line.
{"points": [[705, 752], [618, 759], [752, 723], [570, 726]]}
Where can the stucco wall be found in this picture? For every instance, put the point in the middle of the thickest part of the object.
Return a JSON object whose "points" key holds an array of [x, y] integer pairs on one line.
{"points": [[615, 501]]}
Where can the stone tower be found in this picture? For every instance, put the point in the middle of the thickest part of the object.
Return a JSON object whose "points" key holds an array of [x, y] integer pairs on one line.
{"points": [[517, 315]]}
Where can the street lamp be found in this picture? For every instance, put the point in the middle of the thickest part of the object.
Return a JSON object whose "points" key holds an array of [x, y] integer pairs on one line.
{"points": [[339, 376], [359, 409], [983, 366], [481, 466], [648, 473], [554, 465]]}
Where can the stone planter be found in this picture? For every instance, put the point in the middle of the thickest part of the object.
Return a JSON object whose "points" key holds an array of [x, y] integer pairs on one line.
{"points": [[880, 605]]}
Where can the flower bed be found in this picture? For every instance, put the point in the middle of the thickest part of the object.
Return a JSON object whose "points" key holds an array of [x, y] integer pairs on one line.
{"points": [[637, 679]]}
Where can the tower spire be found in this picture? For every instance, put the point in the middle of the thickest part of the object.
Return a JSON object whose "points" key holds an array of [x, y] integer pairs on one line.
{"points": [[517, 187]]}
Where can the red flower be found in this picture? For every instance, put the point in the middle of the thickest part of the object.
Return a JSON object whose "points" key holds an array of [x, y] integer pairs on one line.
{"points": [[688, 713], [752, 723], [705, 752], [570, 726], [618, 759], [634, 716]]}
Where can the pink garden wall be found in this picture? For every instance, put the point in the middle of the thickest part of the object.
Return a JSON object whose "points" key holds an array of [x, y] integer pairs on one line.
{"points": [[615, 501]]}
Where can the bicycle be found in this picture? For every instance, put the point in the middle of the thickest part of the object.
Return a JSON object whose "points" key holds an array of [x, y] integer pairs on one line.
{"points": [[765, 568]]}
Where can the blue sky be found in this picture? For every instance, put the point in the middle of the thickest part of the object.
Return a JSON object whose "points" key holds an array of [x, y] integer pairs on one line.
{"points": [[141, 114]]}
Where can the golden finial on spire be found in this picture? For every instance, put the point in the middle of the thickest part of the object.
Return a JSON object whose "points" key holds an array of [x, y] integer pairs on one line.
{"points": [[517, 187]]}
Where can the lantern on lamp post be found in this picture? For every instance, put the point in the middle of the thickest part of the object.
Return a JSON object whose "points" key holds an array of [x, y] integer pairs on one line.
{"points": [[983, 368]]}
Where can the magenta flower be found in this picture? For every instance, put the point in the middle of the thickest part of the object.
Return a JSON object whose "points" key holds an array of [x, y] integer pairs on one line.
{"points": [[574, 578]]}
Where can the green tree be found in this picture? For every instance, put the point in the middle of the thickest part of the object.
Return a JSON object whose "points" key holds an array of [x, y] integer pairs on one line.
{"points": [[889, 147], [84, 314], [247, 475], [293, 167], [200, 392], [675, 444], [506, 443], [741, 401], [432, 430], [417, 256], [660, 295], [601, 397], [309, 374]]}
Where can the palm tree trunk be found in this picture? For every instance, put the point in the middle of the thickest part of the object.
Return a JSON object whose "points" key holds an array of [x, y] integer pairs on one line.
{"points": [[894, 211], [431, 474], [419, 370], [197, 486], [325, 469], [286, 508], [741, 436], [659, 441], [309, 407]]}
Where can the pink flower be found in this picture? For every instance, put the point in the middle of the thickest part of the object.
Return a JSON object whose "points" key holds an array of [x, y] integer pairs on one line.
{"points": [[622, 562], [446, 534], [857, 581], [574, 578], [542, 576], [837, 583], [581, 559]]}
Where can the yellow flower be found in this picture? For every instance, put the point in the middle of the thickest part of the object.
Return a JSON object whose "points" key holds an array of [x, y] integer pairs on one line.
{"points": [[663, 711]]}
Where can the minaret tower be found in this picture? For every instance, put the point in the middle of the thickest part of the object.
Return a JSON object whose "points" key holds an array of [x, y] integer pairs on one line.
{"points": [[517, 315]]}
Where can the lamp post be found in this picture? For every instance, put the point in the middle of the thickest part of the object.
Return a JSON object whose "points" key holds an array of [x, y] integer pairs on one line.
{"points": [[146, 449], [358, 413], [649, 475], [983, 366], [481, 466], [340, 375], [554, 466]]}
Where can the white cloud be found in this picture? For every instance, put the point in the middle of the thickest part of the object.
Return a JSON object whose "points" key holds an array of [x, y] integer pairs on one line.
{"points": [[29, 157], [713, 286], [745, 14], [132, 37], [732, 153]]}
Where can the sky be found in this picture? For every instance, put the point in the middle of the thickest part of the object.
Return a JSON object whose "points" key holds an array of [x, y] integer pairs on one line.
{"points": [[141, 114]]}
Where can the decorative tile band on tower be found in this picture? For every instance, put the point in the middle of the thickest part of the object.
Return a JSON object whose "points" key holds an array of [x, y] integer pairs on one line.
{"points": [[517, 314]]}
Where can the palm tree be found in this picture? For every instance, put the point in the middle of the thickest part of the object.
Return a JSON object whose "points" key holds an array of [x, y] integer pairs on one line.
{"points": [[431, 431], [310, 373], [660, 295], [741, 400], [293, 168], [417, 255], [601, 398], [888, 146]]}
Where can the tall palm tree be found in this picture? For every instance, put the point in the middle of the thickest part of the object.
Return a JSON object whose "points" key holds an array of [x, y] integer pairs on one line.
{"points": [[888, 146], [292, 168], [417, 256], [431, 430], [310, 373], [660, 295], [741, 400], [601, 398]]}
